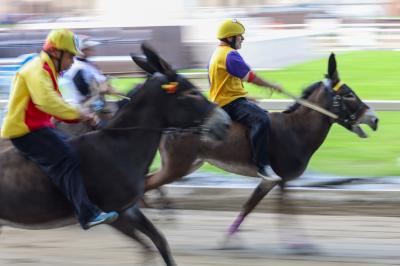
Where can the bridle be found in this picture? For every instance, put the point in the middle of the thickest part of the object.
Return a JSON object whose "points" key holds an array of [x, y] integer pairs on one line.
{"points": [[345, 117]]}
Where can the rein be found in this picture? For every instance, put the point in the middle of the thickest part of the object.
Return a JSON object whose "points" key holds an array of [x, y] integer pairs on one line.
{"points": [[167, 130], [310, 105], [350, 117]]}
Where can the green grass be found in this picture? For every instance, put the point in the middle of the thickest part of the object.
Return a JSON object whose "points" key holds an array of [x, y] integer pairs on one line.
{"points": [[373, 75]]}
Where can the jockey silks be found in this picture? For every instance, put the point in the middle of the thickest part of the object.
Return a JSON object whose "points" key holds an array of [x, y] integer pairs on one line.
{"points": [[35, 99], [226, 72]]}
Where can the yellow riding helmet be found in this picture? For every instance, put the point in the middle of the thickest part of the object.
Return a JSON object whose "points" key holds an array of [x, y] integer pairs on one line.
{"points": [[63, 39], [229, 28]]}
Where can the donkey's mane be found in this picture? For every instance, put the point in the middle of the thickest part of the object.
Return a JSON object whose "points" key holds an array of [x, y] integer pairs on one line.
{"points": [[305, 94]]}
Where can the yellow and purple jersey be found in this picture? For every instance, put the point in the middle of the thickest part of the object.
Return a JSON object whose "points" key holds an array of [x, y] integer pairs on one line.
{"points": [[226, 72]]}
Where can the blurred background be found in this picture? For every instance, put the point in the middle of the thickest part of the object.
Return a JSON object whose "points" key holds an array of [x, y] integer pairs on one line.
{"points": [[285, 41], [351, 221]]}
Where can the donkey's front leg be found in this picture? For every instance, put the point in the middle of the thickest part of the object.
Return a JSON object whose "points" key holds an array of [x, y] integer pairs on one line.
{"points": [[133, 219], [258, 194]]}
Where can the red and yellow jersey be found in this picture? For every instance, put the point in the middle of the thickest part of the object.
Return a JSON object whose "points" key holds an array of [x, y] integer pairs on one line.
{"points": [[35, 99]]}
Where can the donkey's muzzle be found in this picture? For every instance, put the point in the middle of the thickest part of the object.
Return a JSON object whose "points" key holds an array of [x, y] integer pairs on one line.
{"points": [[368, 118]]}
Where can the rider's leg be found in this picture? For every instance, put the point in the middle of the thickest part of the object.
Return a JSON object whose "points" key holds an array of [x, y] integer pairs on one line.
{"points": [[257, 121], [48, 148]]}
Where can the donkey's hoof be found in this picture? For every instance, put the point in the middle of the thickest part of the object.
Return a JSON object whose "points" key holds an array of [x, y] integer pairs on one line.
{"points": [[231, 242], [301, 248]]}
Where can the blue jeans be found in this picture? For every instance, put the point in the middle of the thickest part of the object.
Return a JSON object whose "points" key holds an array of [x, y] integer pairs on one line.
{"points": [[49, 148], [257, 121]]}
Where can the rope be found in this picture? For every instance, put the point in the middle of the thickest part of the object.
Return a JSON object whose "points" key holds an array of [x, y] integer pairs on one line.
{"points": [[167, 130], [310, 105]]}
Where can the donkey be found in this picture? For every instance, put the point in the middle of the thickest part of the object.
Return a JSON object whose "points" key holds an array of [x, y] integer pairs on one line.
{"points": [[114, 159], [295, 135]]}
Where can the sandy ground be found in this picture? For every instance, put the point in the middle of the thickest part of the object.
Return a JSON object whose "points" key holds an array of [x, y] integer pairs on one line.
{"points": [[196, 236]]}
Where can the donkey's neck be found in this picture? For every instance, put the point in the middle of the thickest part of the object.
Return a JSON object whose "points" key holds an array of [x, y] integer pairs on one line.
{"points": [[311, 126], [297, 135], [143, 112], [136, 130]]}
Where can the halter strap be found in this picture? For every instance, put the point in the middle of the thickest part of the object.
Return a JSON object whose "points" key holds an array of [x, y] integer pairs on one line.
{"points": [[337, 86]]}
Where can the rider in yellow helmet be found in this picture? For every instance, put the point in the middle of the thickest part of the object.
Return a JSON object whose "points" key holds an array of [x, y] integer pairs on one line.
{"points": [[227, 70], [35, 99]]}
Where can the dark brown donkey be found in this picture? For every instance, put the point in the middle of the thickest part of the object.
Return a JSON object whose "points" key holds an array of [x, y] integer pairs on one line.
{"points": [[296, 134], [114, 160]]}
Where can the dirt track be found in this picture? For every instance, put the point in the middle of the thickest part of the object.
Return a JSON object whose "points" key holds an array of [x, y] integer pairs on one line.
{"points": [[195, 238]]}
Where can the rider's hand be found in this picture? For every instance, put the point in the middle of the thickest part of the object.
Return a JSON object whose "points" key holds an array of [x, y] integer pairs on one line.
{"points": [[89, 118]]}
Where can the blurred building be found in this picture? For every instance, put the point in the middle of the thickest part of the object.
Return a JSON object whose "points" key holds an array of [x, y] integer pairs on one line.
{"points": [[394, 8], [34, 11], [45, 6]]}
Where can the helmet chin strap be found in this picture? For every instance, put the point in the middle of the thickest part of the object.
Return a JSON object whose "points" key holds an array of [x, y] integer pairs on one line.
{"points": [[232, 43], [58, 59]]}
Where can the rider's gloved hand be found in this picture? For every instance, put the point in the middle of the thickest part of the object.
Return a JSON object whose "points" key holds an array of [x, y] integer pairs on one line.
{"points": [[89, 118]]}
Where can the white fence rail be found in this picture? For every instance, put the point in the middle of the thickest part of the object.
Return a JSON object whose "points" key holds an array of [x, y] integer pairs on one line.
{"points": [[283, 104]]}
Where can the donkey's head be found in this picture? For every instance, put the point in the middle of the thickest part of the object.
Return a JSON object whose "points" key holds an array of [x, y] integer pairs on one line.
{"points": [[182, 104], [350, 109]]}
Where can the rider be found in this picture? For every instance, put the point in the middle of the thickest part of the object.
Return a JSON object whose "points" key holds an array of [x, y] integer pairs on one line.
{"points": [[227, 70], [84, 78], [34, 100]]}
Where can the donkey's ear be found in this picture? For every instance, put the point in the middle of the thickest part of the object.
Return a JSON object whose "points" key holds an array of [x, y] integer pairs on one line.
{"points": [[332, 68], [141, 61], [156, 61]]}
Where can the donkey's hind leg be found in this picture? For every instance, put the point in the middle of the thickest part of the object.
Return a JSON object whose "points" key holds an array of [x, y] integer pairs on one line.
{"points": [[170, 171], [133, 219], [176, 161]]}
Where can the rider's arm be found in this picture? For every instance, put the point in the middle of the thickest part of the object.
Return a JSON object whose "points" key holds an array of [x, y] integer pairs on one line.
{"points": [[264, 83], [237, 67], [46, 98], [81, 84]]}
